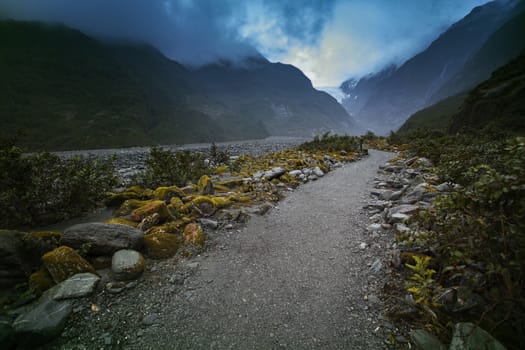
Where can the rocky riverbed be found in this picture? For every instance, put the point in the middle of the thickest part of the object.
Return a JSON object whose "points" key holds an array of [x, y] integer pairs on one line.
{"points": [[130, 161]]}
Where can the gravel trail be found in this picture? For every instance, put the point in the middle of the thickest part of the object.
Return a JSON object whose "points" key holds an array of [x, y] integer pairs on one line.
{"points": [[292, 279]]}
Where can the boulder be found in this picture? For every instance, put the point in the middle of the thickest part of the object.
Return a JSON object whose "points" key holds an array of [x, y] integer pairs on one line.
{"points": [[421, 192], [42, 322], [274, 173], [103, 239], [295, 173], [151, 208], [468, 336], [194, 235], [208, 223], [161, 245], [425, 341], [318, 172], [127, 265], [205, 186], [19, 255], [407, 209], [76, 286], [64, 262]]}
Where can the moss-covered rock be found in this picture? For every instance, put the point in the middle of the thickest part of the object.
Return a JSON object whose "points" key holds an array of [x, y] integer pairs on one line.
{"points": [[205, 185], [133, 192], [121, 221], [161, 245], [128, 206], [167, 193], [156, 206], [64, 262], [40, 281], [204, 206], [193, 234], [50, 237]]}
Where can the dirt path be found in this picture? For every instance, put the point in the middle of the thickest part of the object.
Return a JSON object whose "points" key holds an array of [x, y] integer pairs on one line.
{"points": [[294, 278]]}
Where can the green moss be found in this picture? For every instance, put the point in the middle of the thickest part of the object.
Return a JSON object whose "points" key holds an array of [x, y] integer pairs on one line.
{"points": [[121, 221], [194, 235], [129, 205], [205, 185], [64, 262], [150, 208], [40, 281], [161, 245], [167, 193]]}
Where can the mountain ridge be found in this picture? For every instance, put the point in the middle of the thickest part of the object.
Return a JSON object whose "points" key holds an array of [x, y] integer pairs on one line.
{"points": [[118, 94]]}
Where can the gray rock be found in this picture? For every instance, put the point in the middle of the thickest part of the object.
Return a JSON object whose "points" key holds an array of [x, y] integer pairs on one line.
{"points": [[274, 173], [396, 195], [150, 320], [395, 258], [312, 177], [425, 341], [75, 286], [42, 322], [295, 173], [458, 299], [374, 227], [398, 218], [421, 192], [376, 266], [104, 239], [127, 265], [423, 162], [402, 228], [468, 336], [19, 255], [376, 218], [208, 223], [407, 209], [318, 172], [444, 187]]}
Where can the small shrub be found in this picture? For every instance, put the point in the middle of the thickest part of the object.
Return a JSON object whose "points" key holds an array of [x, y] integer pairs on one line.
{"points": [[166, 168], [332, 143]]}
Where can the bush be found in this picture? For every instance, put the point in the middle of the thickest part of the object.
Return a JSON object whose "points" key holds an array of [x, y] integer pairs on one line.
{"points": [[477, 233], [166, 168], [332, 143], [40, 189]]}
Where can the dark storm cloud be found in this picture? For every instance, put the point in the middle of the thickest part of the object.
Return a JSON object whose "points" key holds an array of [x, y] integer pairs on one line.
{"points": [[191, 31], [330, 40]]}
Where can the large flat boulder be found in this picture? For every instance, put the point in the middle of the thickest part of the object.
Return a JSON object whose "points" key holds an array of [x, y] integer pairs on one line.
{"points": [[41, 323], [103, 239]]}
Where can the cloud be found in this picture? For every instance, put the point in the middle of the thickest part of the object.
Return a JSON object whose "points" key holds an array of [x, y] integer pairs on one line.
{"points": [[365, 36], [190, 31], [330, 40]]}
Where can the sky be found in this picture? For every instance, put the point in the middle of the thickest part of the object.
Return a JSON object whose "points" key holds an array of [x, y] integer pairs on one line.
{"points": [[329, 40]]}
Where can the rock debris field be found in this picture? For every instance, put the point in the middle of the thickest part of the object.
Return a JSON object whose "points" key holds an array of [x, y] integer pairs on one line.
{"points": [[306, 275]]}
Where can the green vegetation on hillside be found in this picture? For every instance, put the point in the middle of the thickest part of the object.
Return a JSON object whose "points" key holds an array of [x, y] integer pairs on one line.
{"points": [[437, 116], [498, 103], [475, 235]]}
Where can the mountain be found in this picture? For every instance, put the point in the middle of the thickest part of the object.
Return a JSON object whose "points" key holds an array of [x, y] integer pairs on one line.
{"points": [[416, 84], [436, 116], [498, 102], [66, 90]]}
